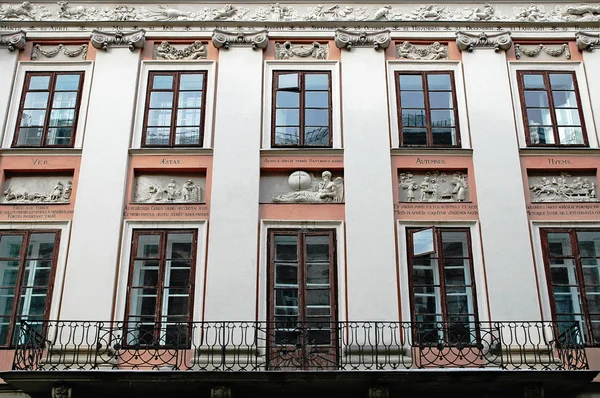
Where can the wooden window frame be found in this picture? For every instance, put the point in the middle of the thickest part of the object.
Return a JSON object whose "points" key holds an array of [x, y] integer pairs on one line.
{"points": [[427, 106], [548, 90], [578, 275], [174, 109], [301, 90], [14, 323], [163, 233], [51, 91]]}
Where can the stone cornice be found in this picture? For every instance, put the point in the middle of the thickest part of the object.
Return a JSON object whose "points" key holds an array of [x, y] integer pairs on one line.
{"points": [[13, 40], [587, 41], [103, 40], [378, 40], [225, 39], [466, 41]]}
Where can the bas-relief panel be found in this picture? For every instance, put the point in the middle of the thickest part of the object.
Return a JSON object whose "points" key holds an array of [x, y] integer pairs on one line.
{"points": [[37, 189], [151, 188], [433, 186], [563, 187], [301, 187]]}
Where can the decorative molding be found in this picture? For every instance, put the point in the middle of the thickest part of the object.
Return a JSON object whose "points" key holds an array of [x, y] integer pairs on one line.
{"points": [[308, 189], [431, 51], [379, 392], [132, 40], [288, 50], [377, 40], [13, 40], [165, 50], [220, 392], [563, 188], [39, 51], [470, 41], [434, 186], [167, 189], [61, 391], [33, 190], [549, 49], [587, 41], [224, 39]]}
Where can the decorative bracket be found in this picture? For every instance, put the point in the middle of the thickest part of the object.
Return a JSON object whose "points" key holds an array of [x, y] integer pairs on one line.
{"points": [[587, 41], [378, 40], [224, 39], [470, 41], [132, 40], [13, 40]]}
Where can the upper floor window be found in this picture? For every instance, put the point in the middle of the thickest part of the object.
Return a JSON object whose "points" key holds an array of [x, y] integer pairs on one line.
{"points": [[551, 108], [175, 109], [27, 268], [301, 109], [48, 110], [427, 110]]}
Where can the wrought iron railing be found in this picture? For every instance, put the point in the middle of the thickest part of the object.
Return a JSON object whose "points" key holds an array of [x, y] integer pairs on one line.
{"points": [[259, 346]]}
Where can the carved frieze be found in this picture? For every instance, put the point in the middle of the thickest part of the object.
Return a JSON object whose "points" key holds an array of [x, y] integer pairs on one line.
{"points": [[169, 189], [257, 40], [556, 50], [37, 189], [289, 50], [103, 40], [433, 51], [433, 186], [166, 50], [470, 41], [563, 187], [13, 40], [587, 41], [59, 52], [377, 40], [302, 187]]}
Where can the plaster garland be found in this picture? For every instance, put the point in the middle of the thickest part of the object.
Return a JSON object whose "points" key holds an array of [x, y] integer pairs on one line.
{"points": [[40, 51], [532, 52]]}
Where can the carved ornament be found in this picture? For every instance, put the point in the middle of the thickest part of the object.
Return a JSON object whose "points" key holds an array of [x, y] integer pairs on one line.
{"points": [[379, 392], [13, 40], [587, 41], [308, 189], [132, 40], [165, 50], [36, 190], [161, 189], [470, 41], [563, 188], [256, 40], [433, 186], [61, 391], [377, 40], [549, 49], [288, 50], [220, 392], [42, 51], [431, 51]]}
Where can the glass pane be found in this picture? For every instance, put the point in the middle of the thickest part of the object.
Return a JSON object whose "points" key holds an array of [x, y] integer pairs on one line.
{"points": [[559, 244], [411, 82], [591, 272], [593, 299], [157, 136], [413, 117], [187, 136], [161, 99], [286, 274], [412, 99], [59, 136], [561, 81], [442, 118], [287, 117], [536, 99], [455, 244], [32, 304], [456, 276], [176, 305], [65, 99], [62, 117], [143, 301], [570, 135], [287, 135], [316, 82], [36, 100], [316, 117], [162, 82], [589, 243], [287, 99], [414, 136], [317, 248], [10, 246], [33, 118], [6, 301], [67, 83], [444, 136], [423, 276], [316, 99], [564, 99], [316, 136], [190, 99], [439, 82], [148, 246], [425, 305], [30, 136], [541, 135], [317, 273], [568, 117], [288, 81], [317, 297], [145, 273], [440, 99], [191, 82], [533, 81], [458, 304], [41, 245], [179, 245], [9, 272], [539, 116], [188, 117], [423, 242], [159, 117], [287, 297], [39, 82], [178, 277], [286, 248]]}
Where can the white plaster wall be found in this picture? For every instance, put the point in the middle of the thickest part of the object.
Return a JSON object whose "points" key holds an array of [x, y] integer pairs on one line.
{"points": [[506, 243], [591, 64], [371, 259], [8, 65], [233, 230], [98, 210]]}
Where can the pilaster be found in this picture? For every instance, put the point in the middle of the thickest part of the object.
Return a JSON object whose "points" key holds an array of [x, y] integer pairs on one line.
{"points": [[10, 43], [588, 43]]}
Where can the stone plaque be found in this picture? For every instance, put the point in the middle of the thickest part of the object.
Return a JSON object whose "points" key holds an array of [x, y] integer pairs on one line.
{"points": [[433, 186], [302, 187], [563, 187], [161, 188], [37, 189]]}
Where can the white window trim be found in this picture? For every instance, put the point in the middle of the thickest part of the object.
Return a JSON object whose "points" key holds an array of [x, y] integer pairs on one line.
{"points": [[420, 66], [61, 261], [121, 296], [479, 273], [586, 106], [28, 66], [267, 225], [336, 105], [164, 66]]}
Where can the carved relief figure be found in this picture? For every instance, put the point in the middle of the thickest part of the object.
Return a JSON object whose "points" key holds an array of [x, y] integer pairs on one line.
{"points": [[327, 190], [288, 50], [426, 13], [564, 188], [17, 11], [584, 11], [533, 13], [35, 190], [434, 187], [166, 50], [432, 51], [154, 190]]}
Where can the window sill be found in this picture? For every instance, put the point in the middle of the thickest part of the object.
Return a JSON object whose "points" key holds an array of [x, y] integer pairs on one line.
{"points": [[431, 151], [40, 151], [545, 151], [171, 151]]}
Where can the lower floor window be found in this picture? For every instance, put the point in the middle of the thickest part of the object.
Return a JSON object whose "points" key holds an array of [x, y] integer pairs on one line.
{"points": [[161, 287]]}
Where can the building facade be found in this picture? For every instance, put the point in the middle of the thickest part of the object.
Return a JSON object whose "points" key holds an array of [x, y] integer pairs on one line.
{"points": [[283, 199]]}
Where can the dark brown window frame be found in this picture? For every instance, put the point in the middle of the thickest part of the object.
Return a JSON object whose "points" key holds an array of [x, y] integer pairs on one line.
{"points": [[578, 274], [14, 325], [428, 126], [175, 108], [438, 245], [548, 91], [301, 90], [161, 278], [51, 91]]}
